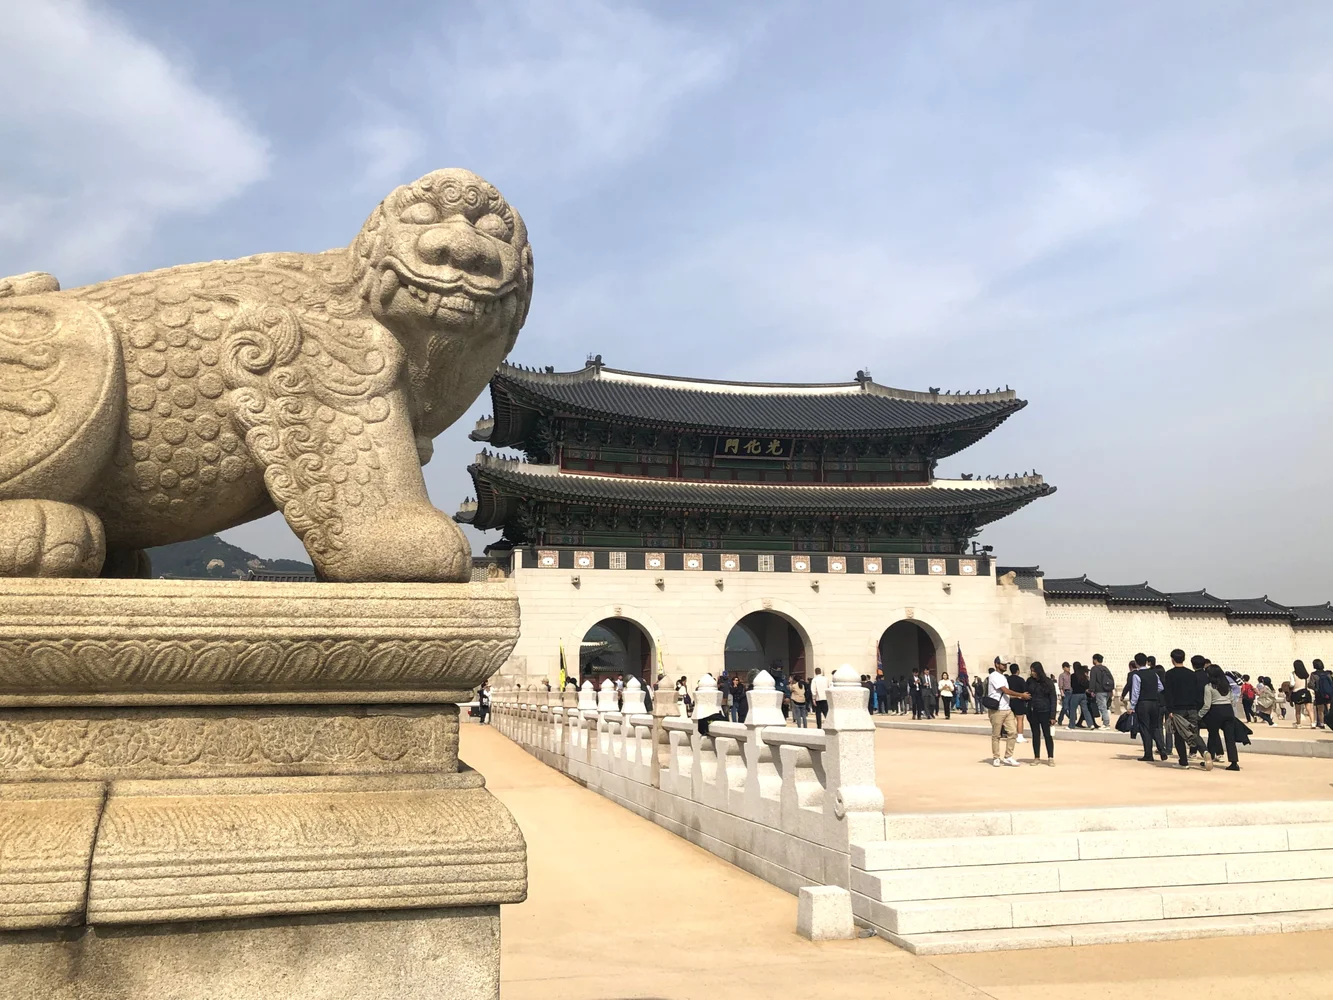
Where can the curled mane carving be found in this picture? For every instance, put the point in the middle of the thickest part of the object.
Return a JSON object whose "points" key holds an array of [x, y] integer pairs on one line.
{"points": [[289, 373]]}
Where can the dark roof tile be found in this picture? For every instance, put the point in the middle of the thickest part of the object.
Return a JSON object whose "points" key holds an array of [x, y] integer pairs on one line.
{"points": [[1257, 607], [1196, 600], [1135, 593], [1072, 586], [844, 408], [1313, 614]]}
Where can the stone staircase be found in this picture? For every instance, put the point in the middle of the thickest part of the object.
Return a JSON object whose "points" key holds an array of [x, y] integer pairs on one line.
{"points": [[963, 882]]}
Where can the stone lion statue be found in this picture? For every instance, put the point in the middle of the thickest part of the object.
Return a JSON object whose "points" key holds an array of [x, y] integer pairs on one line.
{"points": [[160, 407]]}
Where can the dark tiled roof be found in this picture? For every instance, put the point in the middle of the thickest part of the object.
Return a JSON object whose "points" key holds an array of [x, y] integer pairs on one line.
{"points": [[1135, 593], [985, 504], [1313, 614], [854, 408], [1192, 600], [1196, 600], [274, 576], [1257, 607], [1073, 586]]}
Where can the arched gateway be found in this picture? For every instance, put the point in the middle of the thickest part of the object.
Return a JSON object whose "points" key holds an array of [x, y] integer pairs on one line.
{"points": [[616, 646], [910, 645], [765, 640]]}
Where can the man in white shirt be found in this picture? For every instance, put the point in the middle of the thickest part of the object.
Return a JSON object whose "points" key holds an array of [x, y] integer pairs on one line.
{"points": [[819, 689], [1001, 717]]}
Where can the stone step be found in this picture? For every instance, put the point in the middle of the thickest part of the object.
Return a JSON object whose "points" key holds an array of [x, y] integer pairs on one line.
{"points": [[960, 852], [1050, 909], [1075, 876], [924, 826], [1115, 932]]}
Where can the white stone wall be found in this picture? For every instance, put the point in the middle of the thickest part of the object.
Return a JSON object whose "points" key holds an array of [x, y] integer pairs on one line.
{"points": [[689, 616]]}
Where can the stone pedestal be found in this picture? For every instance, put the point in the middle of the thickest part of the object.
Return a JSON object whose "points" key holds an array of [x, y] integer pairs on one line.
{"points": [[235, 790], [369, 955]]}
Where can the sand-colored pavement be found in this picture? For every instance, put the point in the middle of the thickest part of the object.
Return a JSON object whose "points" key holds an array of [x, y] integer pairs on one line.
{"points": [[618, 907]]}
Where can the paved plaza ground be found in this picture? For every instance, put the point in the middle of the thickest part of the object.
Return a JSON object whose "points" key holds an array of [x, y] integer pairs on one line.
{"points": [[618, 907]]}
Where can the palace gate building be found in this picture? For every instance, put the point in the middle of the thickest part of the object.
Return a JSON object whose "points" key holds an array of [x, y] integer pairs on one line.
{"points": [[664, 524]]}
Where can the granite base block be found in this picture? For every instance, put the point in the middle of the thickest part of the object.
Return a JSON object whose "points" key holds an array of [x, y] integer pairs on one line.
{"points": [[440, 954]]}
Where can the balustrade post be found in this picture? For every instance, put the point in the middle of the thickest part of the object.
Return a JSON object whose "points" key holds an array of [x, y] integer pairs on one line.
{"points": [[853, 803], [631, 747], [761, 773], [664, 707], [703, 766], [587, 720]]}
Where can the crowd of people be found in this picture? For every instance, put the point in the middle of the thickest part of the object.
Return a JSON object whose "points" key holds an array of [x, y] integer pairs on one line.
{"points": [[1166, 708]]}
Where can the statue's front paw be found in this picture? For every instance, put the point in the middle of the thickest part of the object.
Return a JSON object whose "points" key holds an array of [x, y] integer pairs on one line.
{"points": [[400, 545], [45, 538]]}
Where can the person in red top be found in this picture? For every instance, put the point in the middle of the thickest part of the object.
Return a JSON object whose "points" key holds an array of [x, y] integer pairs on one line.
{"points": [[1247, 696]]}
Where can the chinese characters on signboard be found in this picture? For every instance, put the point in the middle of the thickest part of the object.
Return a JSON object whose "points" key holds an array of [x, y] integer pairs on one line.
{"points": [[771, 448]]}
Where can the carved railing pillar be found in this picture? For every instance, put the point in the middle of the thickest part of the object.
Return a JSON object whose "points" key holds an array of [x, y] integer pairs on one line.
{"points": [[854, 805]]}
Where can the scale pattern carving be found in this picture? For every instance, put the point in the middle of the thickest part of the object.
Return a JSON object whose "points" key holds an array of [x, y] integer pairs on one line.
{"points": [[192, 744]]}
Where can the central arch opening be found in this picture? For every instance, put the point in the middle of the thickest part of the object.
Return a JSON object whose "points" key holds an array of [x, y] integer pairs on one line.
{"points": [[906, 646], [764, 640], [613, 647]]}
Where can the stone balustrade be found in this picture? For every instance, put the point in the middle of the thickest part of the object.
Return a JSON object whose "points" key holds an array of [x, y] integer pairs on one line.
{"points": [[783, 803]]}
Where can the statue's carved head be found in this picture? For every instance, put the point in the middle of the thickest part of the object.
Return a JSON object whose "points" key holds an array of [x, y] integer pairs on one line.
{"points": [[445, 264]]}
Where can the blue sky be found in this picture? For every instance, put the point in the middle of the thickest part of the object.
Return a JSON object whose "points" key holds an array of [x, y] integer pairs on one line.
{"points": [[1121, 210]]}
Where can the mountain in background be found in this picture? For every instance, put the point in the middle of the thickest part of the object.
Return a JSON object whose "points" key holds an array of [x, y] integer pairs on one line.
{"points": [[211, 558]]}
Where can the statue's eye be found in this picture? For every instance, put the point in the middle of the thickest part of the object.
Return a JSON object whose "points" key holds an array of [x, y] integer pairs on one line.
{"points": [[421, 213], [493, 225]]}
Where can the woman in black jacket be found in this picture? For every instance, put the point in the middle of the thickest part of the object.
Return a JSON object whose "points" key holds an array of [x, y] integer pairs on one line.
{"points": [[1041, 712], [740, 698], [1220, 715]]}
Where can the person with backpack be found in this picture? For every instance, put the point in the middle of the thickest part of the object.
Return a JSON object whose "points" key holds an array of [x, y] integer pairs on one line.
{"points": [[1101, 685], [1323, 694], [1302, 698]]}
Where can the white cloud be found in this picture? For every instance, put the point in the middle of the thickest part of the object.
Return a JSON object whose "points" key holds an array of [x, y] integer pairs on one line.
{"points": [[549, 88], [105, 136], [387, 151]]}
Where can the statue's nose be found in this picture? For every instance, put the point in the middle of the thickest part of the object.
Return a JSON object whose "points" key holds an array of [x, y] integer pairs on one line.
{"points": [[458, 245]]}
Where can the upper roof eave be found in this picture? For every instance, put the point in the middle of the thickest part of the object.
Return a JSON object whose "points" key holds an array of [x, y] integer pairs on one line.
{"points": [[595, 371], [845, 409]]}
